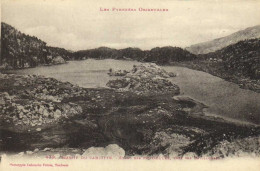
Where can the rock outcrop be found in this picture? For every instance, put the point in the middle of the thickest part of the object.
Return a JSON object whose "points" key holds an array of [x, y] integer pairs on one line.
{"points": [[145, 78], [58, 60]]}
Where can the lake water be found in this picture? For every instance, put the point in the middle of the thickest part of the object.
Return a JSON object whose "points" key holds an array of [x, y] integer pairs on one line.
{"points": [[222, 98]]}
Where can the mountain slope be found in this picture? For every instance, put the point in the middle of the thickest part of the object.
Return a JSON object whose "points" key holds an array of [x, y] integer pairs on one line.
{"points": [[19, 50], [212, 46], [238, 63], [242, 58]]}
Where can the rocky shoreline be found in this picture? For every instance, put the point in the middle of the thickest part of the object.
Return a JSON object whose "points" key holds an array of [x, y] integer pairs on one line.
{"points": [[215, 68], [144, 78], [39, 115]]}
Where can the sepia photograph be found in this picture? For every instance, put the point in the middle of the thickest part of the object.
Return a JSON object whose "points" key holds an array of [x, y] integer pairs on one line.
{"points": [[85, 84]]}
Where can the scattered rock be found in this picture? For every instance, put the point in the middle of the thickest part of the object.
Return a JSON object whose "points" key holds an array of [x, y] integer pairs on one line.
{"points": [[46, 149], [29, 152], [45, 113], [20, 154], [57, 114], [38, 129]]}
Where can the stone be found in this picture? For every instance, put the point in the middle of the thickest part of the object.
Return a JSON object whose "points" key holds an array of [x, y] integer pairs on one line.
{"points": [[45, 90], [41, 109], [46, 149], [58, 60], [20, 115], [29, 152], [19, 107], [20, 154], [2, 101], [57, 114], [171, 74], [45, 113], [6, 96], [38, 129]]}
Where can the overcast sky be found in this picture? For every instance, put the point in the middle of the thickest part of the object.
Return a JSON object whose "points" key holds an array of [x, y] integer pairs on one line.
{"points": [[79, 24]]}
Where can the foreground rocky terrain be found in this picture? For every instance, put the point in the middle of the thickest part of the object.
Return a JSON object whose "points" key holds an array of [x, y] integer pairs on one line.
{"points": [[43, 116]]}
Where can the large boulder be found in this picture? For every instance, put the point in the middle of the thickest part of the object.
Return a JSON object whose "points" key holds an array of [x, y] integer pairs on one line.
{"points": [[58, 60]]}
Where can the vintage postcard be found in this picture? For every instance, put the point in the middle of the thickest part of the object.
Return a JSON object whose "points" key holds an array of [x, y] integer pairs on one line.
{"points": [[124, 85]]}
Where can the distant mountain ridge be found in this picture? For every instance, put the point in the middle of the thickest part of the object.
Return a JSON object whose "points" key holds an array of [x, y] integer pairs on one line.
{"points": [[159, 55], [217, 44]]}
